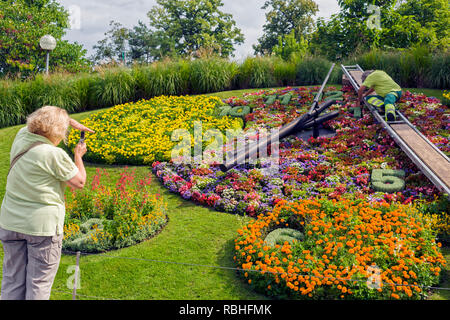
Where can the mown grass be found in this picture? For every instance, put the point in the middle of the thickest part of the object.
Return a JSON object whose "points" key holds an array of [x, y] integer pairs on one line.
{"points": [[195, 235]]}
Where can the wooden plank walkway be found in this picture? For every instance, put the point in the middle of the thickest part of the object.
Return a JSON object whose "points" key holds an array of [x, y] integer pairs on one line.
{"points": [[432, 159]]}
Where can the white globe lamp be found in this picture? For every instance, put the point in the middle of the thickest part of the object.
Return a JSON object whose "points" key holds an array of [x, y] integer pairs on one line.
{"points": [[47, 43]]}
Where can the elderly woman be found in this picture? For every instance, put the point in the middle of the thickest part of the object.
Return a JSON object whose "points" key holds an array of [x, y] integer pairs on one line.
{"points": [[33, 208]]}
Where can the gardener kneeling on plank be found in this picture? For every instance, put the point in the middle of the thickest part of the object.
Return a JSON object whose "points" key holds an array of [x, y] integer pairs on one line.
{"points": [[388, 92]]}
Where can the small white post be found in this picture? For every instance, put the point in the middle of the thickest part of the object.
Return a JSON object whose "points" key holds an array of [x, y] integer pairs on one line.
{"points": [[77, 269]]}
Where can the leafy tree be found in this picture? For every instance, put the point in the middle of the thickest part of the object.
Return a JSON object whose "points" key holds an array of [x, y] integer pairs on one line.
{"points": [[433, 16], [143, 43], [184, 26], [22, 24], [69, 57], [288, 46], [114, 45], [284, 17], [403, 24]]}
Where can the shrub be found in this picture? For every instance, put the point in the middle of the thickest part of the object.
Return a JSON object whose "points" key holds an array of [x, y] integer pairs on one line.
{"points": [[312, 71], [114, 86], [12, 109], [57, 90], [108, 87], [284, 72], [167, 78], [412, 68], [211, 75], [351, 250], [112, 214], [256, 72], [439, 72]]}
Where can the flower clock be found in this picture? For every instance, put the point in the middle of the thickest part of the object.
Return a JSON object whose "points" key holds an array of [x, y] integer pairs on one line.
{"points": [[343, 165]]}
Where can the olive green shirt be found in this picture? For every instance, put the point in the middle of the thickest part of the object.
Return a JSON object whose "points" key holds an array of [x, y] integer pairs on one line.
{"points": [[34, 199], [381, 82]]}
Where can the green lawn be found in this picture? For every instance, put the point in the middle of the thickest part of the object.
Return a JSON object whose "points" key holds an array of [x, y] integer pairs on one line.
{"points": [[195, 235]]}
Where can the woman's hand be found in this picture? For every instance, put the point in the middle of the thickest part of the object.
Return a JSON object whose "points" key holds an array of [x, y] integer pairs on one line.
{"points": [[80, 149], [76, 125]]}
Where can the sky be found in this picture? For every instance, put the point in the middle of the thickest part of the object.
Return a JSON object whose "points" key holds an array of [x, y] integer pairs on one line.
{"points": [[92, 17]]}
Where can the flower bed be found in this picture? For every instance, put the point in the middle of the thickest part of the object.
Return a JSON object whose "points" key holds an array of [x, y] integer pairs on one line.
{"points": [[327, 167], [140, 133], [349, 250], [112, 214]]}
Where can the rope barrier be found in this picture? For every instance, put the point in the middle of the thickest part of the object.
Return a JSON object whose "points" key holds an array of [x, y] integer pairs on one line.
{"points": [[249, 270]]}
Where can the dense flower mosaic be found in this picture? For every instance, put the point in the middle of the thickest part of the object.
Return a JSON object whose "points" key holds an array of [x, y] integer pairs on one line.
{"points": [[326, 167], [140, 133], [350, 250]]}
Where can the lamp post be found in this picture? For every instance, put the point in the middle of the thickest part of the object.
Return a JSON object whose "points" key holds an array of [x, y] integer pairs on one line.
{"points": [[47, 43]]}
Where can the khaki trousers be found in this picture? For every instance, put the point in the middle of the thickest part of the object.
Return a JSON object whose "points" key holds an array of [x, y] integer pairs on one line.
{"points": [[30, 264]]}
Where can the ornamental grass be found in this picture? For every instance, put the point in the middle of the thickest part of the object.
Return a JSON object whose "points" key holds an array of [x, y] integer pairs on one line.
{"points": [[350, 250]]}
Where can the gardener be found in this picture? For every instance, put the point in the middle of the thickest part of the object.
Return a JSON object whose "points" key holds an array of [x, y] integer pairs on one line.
{"points": [[388, 92], [33, 208]]}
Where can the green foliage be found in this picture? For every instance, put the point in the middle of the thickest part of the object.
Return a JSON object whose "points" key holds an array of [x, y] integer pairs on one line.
{"points": [[271, 99], [333, 95], [284, 72], [312, 71], [111, 86], [386, 180], [190, 25], [280, 235], [414, 67], [285, 98], [144, 44], [239, 111], [22, 24], [168, 78], [12, 109], [256, 72], [288, 46], [211, 74], [113, 46], [114, 86], [224, 110], [285, 18], [411, 23]]}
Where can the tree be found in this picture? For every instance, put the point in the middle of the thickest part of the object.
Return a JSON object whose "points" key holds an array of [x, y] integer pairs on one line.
{"points": [[188, 25], [284, 17], [288, 46], [114, 45], [143, 43], [22, 24], [402, 25], [433, 16]]}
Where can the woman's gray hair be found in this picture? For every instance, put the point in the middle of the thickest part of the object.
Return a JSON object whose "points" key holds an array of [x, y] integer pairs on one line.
{"points": [[50, 122], [366, 74]]}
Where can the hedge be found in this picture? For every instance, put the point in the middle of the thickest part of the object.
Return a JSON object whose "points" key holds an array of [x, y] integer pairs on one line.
{"points": [[108, 87]]}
